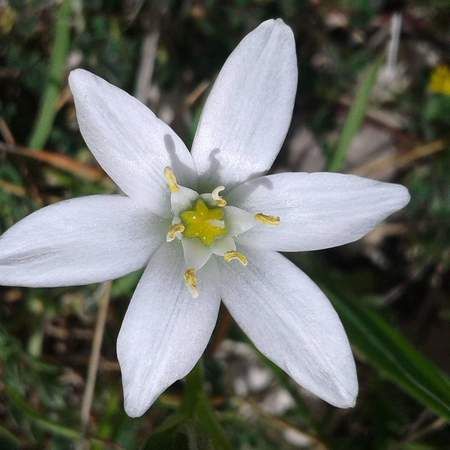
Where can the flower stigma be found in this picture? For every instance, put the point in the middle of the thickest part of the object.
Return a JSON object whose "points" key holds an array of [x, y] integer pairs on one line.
{"points": [[203, 223]]}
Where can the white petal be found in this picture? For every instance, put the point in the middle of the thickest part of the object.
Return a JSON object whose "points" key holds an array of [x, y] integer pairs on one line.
{"points": [[223, 245], [291, 321], [129, 141], [195, 253], [248, 112], [209, 200], [238, 221], [182, 200], [79, 241], [317, 210], [165, 330]]}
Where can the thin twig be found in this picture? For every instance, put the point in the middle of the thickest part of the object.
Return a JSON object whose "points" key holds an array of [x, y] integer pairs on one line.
{"points": [[146, 65], [394, 42], [436, 425], [88, 395], [6, 132], [13, 189], [56, 160], [281, 424], [398, 162], [193, 97]]}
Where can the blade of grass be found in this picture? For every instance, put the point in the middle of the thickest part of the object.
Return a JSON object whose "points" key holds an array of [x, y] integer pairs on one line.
{"points": [[355, 116], [209, 424], [49, 425], [197, 406], [164, 436], [7, 438], [47, 110]]}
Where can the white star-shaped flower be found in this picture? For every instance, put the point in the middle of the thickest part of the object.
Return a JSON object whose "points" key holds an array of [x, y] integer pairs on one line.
{"points": [[206, 224]]}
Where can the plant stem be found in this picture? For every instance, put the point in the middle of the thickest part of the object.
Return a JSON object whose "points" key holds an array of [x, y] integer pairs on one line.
{"points": [[196, 406]]}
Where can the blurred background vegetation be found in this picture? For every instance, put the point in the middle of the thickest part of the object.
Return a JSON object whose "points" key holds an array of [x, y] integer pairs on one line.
{"points": [[373, 99]]}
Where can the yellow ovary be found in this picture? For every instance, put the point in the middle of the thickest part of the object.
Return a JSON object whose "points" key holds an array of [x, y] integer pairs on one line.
{"points": [[203, 223]]}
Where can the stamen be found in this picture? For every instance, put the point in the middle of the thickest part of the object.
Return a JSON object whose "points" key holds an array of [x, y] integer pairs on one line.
{"points": [[267, 220], [175, 230], [220, 201], [171, 180], [190, 278], [233, 255]]}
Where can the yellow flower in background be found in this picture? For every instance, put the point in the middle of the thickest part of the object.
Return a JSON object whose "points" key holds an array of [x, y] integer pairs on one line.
{"points": [[440, 80], [7, 18]]}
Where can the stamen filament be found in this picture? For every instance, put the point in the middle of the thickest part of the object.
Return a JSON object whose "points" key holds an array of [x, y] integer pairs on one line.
{"points": [[190, 278], [267, 220], [220, 201], [234, 255], [174, 231], [171, 180]]}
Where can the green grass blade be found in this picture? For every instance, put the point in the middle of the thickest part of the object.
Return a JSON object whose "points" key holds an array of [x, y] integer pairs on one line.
{"points": [[47, 109], [43, 423], [197, 406], [8, 440], [167, 435], [209, 423], [38, 419], [388, 351], [355, 116]]}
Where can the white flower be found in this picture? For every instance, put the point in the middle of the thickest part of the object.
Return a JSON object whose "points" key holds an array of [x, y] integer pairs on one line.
{"points": [[220, 245]]}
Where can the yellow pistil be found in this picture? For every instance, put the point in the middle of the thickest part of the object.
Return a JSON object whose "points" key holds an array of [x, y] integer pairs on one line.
{"points": [[171, 180], [190, 278], [267, 220], [233, 255], [206, 224], [174, 231], [220, 201]]}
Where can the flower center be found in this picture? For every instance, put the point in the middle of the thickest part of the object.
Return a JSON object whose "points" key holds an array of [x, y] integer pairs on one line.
{"points": [[206, 224]]}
